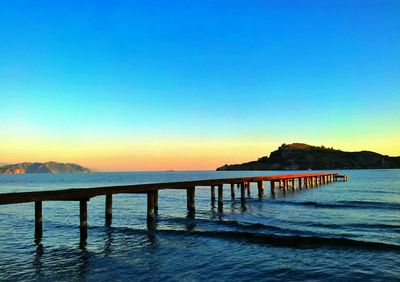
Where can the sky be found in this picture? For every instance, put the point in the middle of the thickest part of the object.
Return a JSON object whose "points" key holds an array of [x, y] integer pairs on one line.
{"points": [[187, 85]]}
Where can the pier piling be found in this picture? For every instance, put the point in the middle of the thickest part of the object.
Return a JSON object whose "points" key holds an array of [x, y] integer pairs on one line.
{"points": [[38, 221], [220, 195], [260, 187], [83, 226], [108, 210], [212, 195], [232, 191], [286, 184], [242, 191], [156, 202], [248, 189], [272, 186], [150, 205], [190, 192]]}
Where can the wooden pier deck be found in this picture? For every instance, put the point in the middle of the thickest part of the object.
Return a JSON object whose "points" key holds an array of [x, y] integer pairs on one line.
{"points": [[83, 195]]}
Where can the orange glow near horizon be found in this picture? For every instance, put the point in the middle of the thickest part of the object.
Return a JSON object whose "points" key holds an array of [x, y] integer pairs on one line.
{"points": [[170, 154]]}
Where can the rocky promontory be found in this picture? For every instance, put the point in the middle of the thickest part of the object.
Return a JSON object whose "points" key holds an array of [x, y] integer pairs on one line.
{"points": [[48, 167], [299, 156]]}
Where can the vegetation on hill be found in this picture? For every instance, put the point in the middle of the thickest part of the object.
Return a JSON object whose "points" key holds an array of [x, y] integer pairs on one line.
{"points": [[299, 156]]}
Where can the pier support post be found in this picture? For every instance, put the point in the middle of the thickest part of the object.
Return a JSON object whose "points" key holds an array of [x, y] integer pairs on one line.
{"points": [[232, 191], [286, 184], [108, 210], [220, 195], [156, 202], [83, 226], [293, 184], [248, 188], [190, 192], [312, 181], [306, 182], [212, 195], [272, 186], [300, 179], [242, 191], [38, 222], [281, 184], [260, 186], [150, 205]]}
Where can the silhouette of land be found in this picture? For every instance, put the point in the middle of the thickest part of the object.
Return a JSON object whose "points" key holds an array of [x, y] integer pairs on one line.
{"points": [[48, 167], [299, 156]]}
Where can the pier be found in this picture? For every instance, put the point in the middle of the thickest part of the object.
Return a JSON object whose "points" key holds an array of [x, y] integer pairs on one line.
{"points": [[342, 177], [83, 195]]}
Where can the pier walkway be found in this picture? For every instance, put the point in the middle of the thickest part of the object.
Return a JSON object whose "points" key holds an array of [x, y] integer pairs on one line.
{"points": [[83, 195]]}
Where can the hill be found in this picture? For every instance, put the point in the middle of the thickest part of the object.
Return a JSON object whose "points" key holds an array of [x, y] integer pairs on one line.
{"points": [[48, 167], [299, 156]]}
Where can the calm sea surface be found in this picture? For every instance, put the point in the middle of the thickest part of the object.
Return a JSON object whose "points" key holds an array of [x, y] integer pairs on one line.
{"points": [[344, 231]]}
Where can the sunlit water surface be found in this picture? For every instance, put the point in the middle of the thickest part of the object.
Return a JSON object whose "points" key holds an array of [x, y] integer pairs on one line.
{"points": [[340, 231]]}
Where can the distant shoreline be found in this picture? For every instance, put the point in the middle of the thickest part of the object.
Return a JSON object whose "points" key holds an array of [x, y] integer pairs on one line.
{"points": [[200, 170], [300, 156]]}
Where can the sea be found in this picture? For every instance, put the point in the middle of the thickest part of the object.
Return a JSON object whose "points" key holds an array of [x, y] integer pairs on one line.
{"points": [[342, 231]]}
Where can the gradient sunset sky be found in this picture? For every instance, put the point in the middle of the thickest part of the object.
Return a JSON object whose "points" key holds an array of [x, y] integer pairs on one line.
{"points": [[155, 85]]}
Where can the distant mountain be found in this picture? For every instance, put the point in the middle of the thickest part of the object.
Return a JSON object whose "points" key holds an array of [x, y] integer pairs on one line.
{"points": [[299, 156], [48, 167]]}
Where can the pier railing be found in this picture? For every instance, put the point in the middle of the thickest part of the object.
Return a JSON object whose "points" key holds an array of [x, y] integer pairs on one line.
{"points": [[83, 195]]}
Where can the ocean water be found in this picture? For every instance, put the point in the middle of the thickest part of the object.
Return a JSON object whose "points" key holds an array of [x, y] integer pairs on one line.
{"points": [[343, 231]]}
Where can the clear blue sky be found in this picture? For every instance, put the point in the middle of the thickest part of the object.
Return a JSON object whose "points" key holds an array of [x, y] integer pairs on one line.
{"points": [[251, 71]]}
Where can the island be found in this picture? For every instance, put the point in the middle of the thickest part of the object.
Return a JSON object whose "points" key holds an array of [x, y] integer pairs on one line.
{"points": [[300, 156], [47, 167]]}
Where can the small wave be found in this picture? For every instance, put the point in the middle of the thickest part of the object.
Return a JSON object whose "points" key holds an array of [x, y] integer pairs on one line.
{"points": [[229, 223], [379, 226], [346, 204], [302, 242]]}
